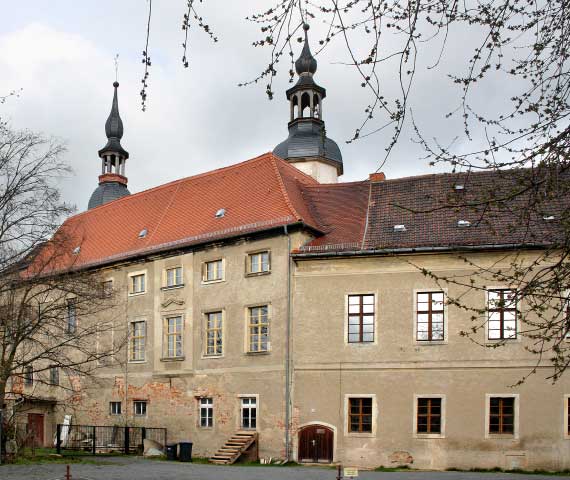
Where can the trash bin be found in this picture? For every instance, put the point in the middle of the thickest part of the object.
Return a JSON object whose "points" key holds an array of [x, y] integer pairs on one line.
{"points": [[171, 451], [185, 454]]}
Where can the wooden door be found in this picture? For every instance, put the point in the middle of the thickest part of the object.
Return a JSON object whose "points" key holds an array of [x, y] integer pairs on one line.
{"points": [[36, 429], [316, 444]]}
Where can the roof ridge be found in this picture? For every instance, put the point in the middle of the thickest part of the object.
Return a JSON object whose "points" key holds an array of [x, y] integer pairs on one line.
{"points": [[284, 192], [337, 185], [172, 183]]}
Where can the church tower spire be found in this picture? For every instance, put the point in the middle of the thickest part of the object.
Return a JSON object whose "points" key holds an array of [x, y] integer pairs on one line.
{"points": [[307, 146], [112, 181]]}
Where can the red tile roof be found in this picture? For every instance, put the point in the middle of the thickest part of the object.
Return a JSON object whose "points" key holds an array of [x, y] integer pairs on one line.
{"points": [[257, 194]]}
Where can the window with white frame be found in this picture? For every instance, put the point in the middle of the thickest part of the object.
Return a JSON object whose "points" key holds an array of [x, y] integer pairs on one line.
{"points": [[138, 283], [139, 408], [213, 271], [502, 415], [258, 328], [430, 316], [173, 327], [361, 318], [137, 341], [115, 408], [258, 262], [71, 315], [502, 314], [429, 415], [206, 412], [214, 334], [174, 277], [249, 412]]}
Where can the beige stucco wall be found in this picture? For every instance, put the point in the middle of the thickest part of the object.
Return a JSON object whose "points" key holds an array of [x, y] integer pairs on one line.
{"points": [[395, 368]]}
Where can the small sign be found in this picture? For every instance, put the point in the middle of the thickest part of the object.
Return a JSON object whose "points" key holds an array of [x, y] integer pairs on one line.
{"points": [[350, 472]]}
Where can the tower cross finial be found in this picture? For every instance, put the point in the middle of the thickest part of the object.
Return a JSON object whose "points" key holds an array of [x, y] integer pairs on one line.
{"points": [[116, 67]]}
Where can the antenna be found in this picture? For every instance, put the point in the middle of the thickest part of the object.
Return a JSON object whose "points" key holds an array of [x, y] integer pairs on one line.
{"points": [[116, 67]]}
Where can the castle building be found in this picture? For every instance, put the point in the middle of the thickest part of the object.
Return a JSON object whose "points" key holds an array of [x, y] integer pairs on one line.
{"points": [[268, 297]]}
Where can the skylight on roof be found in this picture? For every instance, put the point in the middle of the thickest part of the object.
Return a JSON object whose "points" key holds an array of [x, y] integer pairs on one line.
{"points": [[548, 218], [463, 223], [220, 213], [459, 187], [143, 233], [76, 250], [399, 228]]}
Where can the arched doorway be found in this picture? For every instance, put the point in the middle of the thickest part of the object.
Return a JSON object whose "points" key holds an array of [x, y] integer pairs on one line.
{"points": [[316, 444]]}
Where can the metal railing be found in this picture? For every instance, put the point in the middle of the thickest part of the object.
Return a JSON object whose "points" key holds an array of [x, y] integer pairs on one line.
{"points": [[106, 439]]}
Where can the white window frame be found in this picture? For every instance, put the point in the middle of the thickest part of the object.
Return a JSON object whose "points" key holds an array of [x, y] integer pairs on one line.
{"points": [[130, 346], [250, 255], [347, 432], [515, 434], [205, 281], [565, 411], [415, 319], [174, 285], [115, 402], [135, 402], [166, 336], [518, 337], [442, 418], [204, 347], [247, 345], [208, 407], [345, 320], [240, 413], [130, 286]]}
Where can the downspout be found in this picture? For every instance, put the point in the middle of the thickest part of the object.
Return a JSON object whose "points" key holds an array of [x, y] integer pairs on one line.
{"points": [[288, 354]]}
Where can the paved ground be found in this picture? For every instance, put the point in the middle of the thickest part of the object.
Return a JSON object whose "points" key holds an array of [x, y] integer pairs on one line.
{"points": [[140, 469]]}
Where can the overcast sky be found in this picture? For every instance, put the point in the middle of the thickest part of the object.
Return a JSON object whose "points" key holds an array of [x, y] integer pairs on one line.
{"points": [[61, 54]]}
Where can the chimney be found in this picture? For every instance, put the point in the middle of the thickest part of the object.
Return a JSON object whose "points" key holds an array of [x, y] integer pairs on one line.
{"points": [[377, 177]]}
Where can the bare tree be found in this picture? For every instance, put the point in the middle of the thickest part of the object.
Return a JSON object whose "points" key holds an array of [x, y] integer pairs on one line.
{"points": [[53, 316]]}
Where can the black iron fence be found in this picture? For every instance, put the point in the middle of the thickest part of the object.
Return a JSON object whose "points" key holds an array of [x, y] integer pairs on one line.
{"points": [[106, 439]]}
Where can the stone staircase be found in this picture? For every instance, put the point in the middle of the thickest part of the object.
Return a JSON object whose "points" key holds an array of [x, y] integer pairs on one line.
{"points": [[235, 447]]}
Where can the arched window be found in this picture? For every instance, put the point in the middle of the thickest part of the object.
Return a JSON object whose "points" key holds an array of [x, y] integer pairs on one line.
{"points": [[305, 105]]}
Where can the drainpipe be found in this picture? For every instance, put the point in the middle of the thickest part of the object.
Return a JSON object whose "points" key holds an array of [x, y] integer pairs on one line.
{"points": [[288, 354]]}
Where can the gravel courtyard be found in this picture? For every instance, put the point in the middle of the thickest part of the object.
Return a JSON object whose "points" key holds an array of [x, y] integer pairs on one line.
{"points": [[140, 469]]}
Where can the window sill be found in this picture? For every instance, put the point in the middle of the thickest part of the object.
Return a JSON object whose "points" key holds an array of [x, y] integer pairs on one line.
{"points": [[206, 428], [136, 294], [427, 436], [501, 436], [361, 344], [257, 274], [361, 434], [137, 361], [172, 359], [210, 282], [206, 357], [429, 343], [172, 287], [264, 352]]}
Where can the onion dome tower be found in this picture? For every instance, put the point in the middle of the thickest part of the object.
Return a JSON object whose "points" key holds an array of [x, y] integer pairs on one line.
{"points": [[307, 147], [112, 181]]}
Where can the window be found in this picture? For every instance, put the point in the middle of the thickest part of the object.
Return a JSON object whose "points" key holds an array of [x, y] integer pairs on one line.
{"points": [[173, 338], [206, 412], [174, 277], [502, 307], [53, 375], [106, 289], [360, 318], [139, 408], [430, 317], [213, 271], [502, 415], [28, 376], [115, 408], [360, 415], [137, 341], [429, 414], [567, 401], [71, 315], [138, 284], [249, 412], [214, 333], [258, 262], [258, 327]]}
